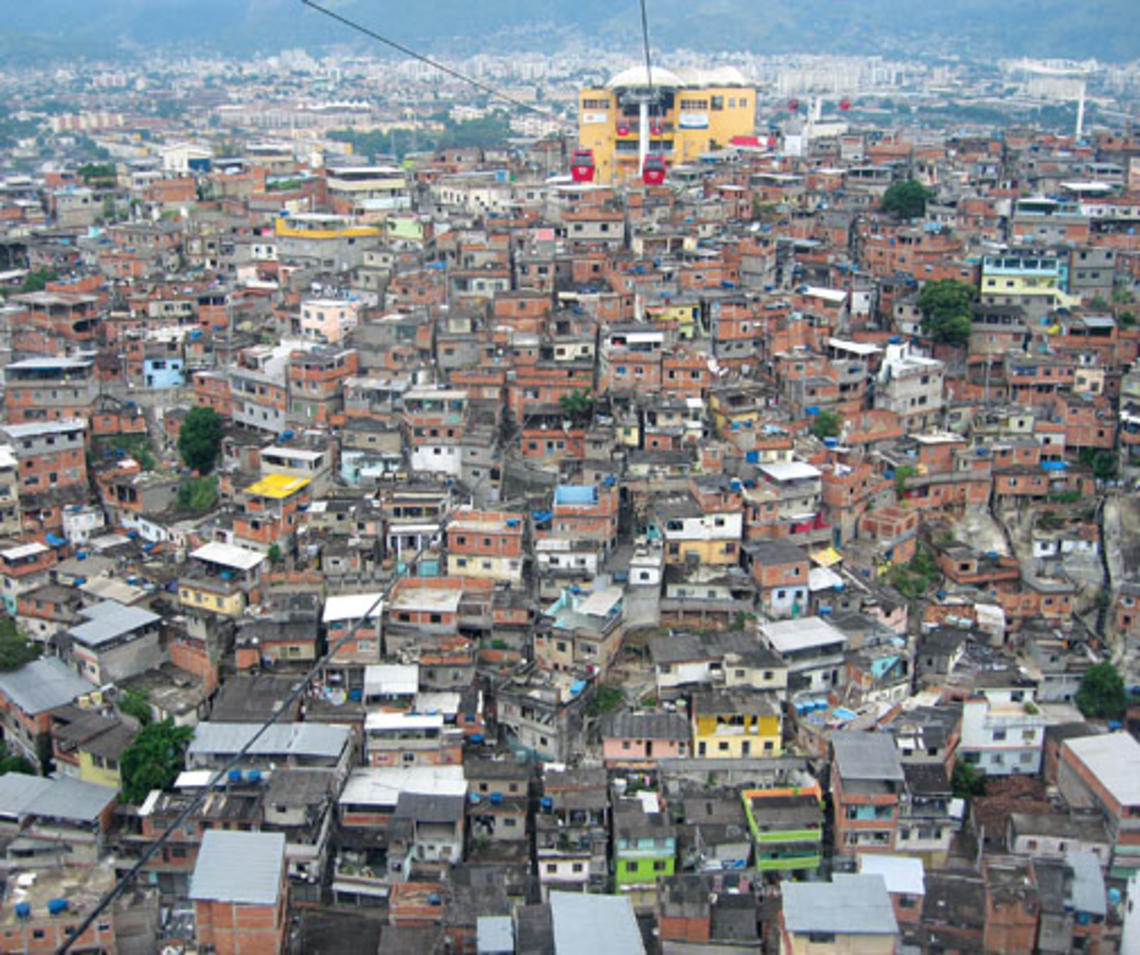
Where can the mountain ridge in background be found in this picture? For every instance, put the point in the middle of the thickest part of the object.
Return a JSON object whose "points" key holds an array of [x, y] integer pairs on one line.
{"points": [[970, 28]]}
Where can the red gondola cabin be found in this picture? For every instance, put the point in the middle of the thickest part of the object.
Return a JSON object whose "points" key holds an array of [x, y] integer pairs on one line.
{"points": [[582, 165], [653, 172]]}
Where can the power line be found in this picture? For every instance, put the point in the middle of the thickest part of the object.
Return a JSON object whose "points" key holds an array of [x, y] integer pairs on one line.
{"points": [[435, 64], [131, 874], [645, 41]]}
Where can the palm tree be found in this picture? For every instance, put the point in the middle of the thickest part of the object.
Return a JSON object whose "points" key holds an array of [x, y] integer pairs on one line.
{"points": [[578, 405]]}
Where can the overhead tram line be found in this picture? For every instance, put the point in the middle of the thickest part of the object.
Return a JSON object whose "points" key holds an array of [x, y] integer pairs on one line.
{"points": [[219, 776]]}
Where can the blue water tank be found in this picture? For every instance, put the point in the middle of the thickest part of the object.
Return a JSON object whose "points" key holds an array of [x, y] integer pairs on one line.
{"points": [[56, 906], [23, 910], [254, 776], [546, 803], [476, 737], [496, 799], [435, 898], [234, 776]]}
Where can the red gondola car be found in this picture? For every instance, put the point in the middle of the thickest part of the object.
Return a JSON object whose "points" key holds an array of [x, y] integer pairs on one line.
{"points": [[656, 128], [845, 104], [793, 105], [623, 128], [653, 172], [582, 165]]}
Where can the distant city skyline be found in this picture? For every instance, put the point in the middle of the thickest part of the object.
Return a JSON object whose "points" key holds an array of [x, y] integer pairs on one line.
{"points": [[966, 28]]}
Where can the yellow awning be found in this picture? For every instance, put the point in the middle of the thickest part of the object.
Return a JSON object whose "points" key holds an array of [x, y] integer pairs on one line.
{"points": [[826, 557], [277, 486]]}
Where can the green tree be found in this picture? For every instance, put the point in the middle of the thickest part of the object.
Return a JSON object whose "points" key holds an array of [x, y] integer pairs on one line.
{"points": [[1103, 463], [14, 763], [136, 703], [136, 446], [578, 405], [903, 473], [906, 199], [918, 577], [200, 438], [966, 781], [15, 651], [1101, 695], [198, 494], [826, 424], [274, 554], [97, 174], [606, 700], [945, 307], [38, 279], [154, 759]]}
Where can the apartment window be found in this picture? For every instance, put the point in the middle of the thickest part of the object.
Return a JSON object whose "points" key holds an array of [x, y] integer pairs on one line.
{"points": [[551, 868], [577, 867], [631, 867], [999, 736]]}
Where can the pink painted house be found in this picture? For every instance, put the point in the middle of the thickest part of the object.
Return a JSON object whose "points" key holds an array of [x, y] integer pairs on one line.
{"points": [[638, 740]]}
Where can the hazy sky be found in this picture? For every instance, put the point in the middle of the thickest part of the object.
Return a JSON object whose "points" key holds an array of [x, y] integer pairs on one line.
{"points": [[973, 28]]}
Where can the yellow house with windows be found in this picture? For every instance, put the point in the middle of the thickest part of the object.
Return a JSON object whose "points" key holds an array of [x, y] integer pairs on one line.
{"points": [[215, 595], [731, 724], [692, 112], [91, 744]]}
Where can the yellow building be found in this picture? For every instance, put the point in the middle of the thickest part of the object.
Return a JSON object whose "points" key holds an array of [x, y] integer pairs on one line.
{"points": [[100, 769], [691, 112], [214, 594], [731, 724]]}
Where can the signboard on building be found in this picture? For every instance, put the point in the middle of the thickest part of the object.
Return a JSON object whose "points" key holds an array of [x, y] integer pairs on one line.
{"points": [[693, 120], [595, 117]]}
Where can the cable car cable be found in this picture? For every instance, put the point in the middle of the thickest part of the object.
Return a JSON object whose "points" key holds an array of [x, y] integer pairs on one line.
{"points": [[435, 64]]}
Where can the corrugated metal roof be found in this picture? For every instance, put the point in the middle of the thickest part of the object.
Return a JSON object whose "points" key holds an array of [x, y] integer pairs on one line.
{"points": [[672, 726], [598, 924], [867, 756], [59, 798], [494, 934], [902, 874], [1114, 761], [242, 867], [43, 685], [228, 555], [74, 799], [848, 905], [1088, 891], [110, 620], [279, 739]]}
